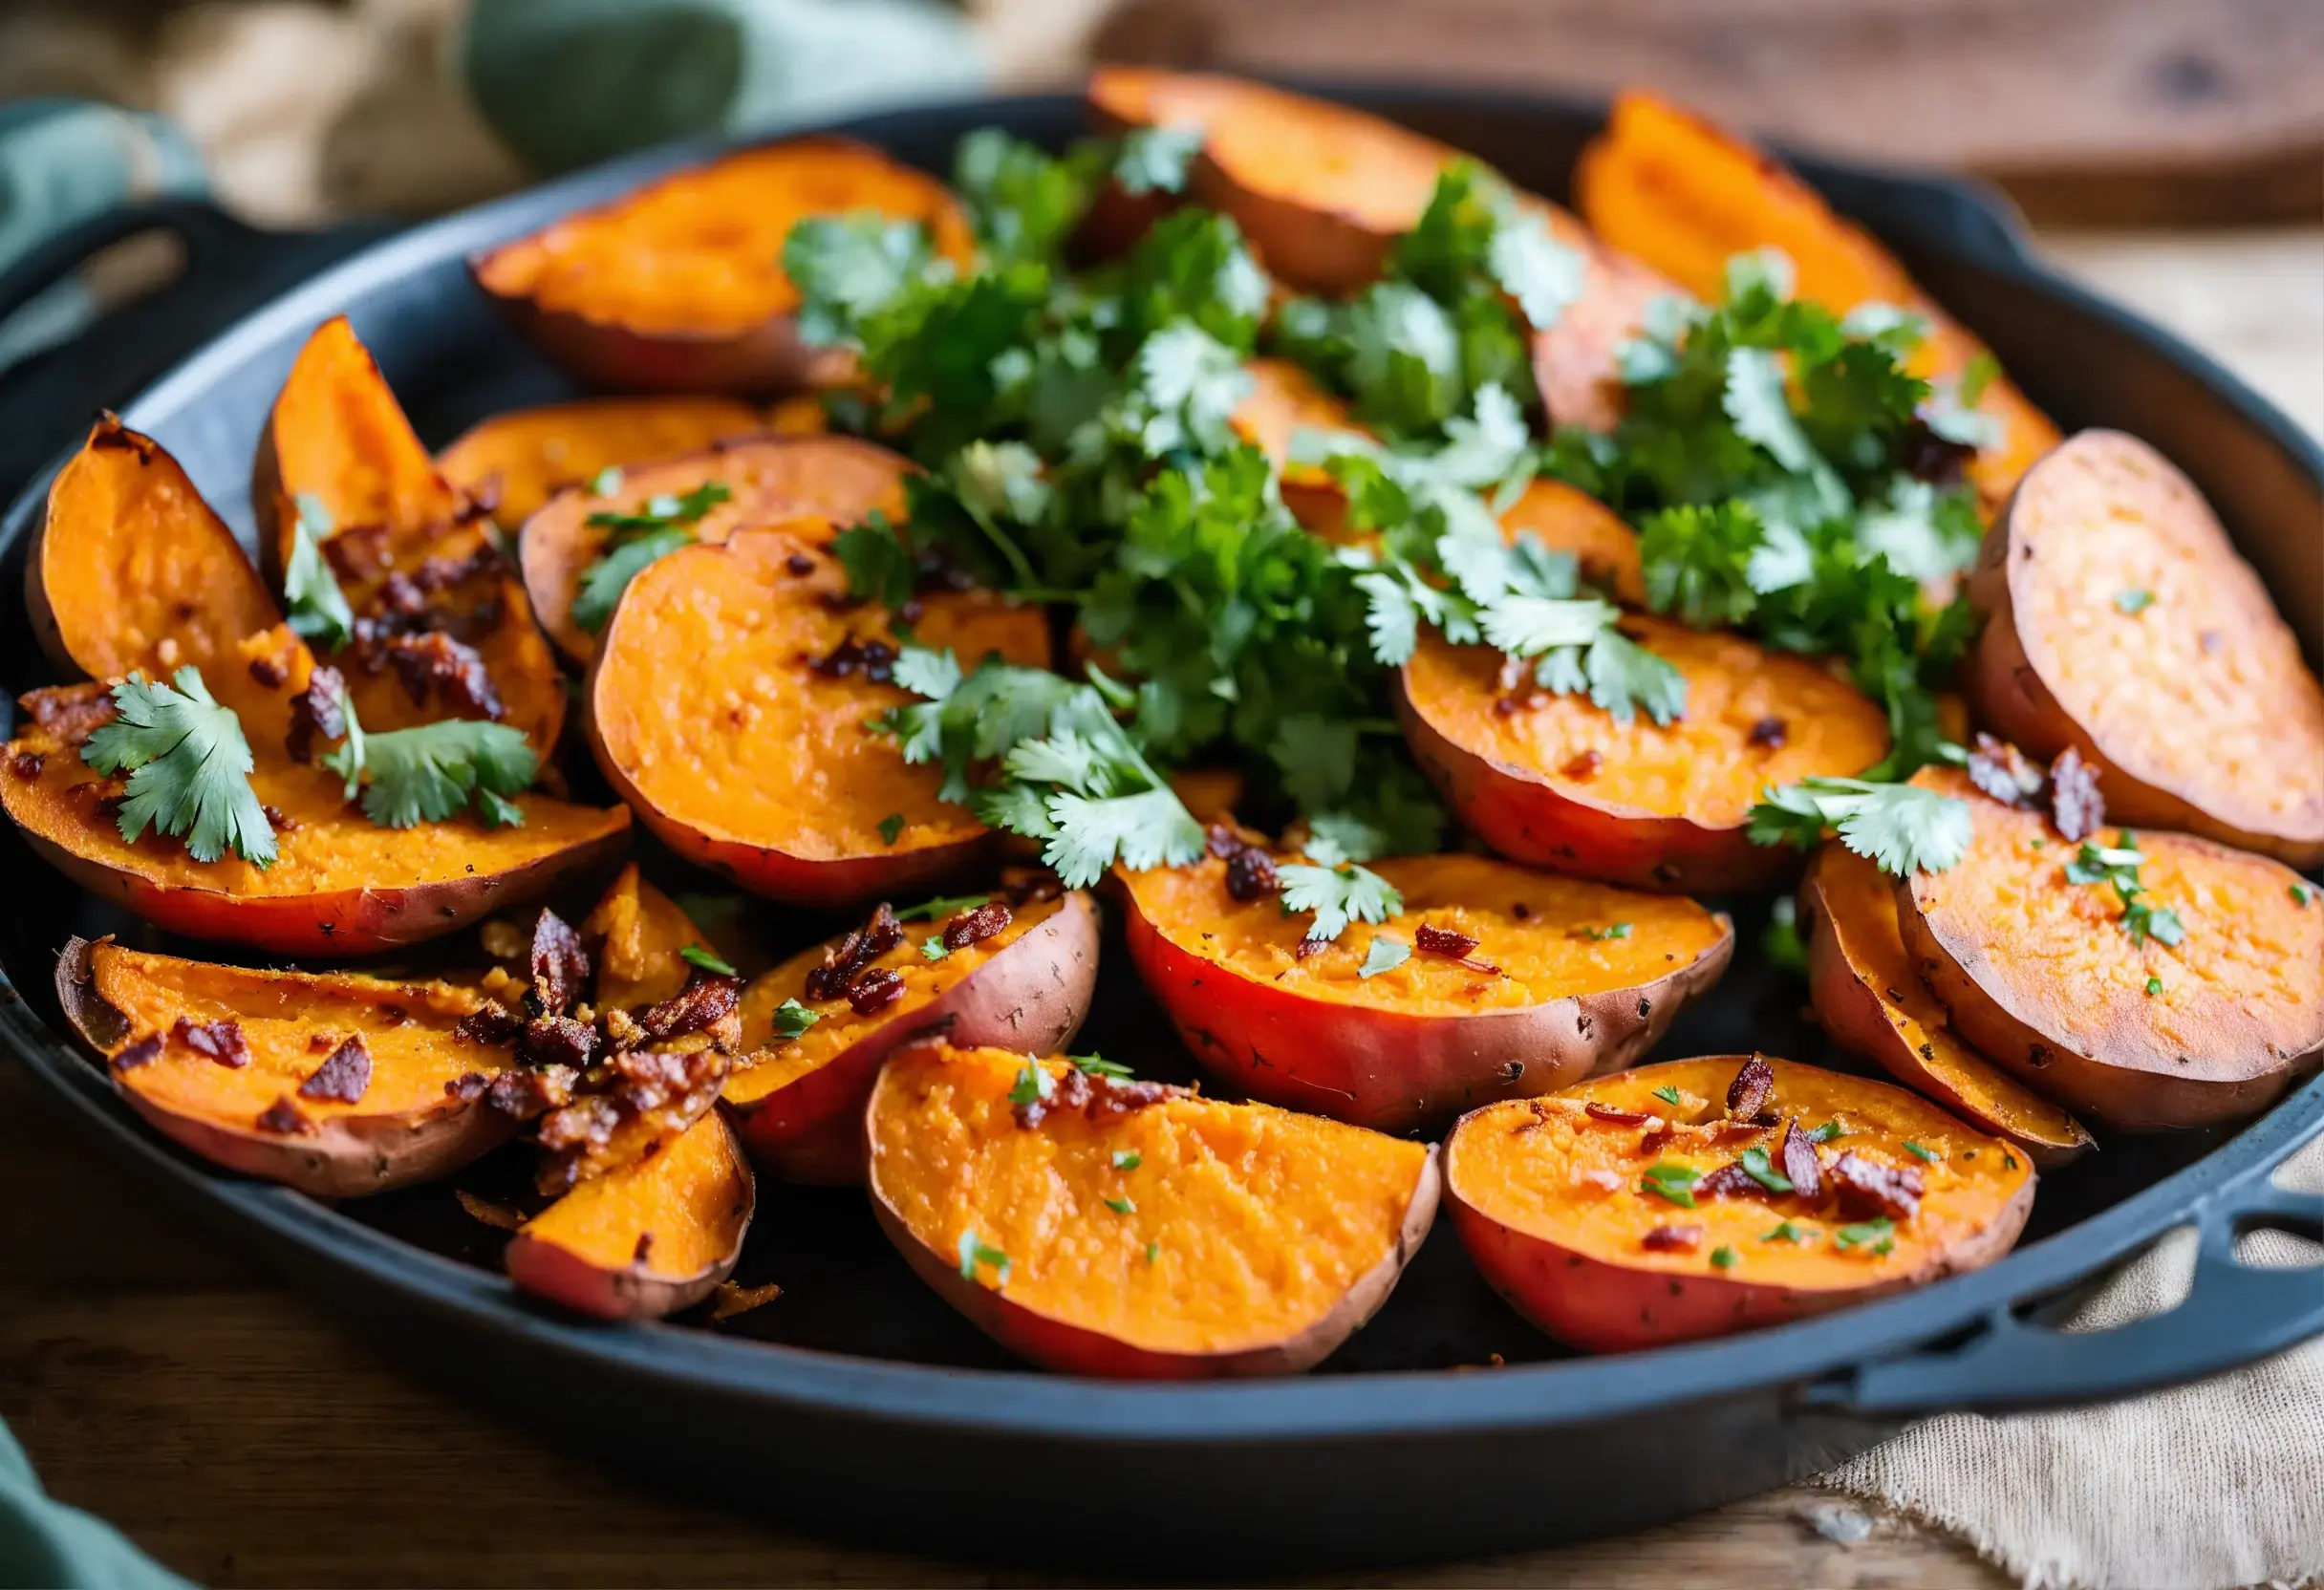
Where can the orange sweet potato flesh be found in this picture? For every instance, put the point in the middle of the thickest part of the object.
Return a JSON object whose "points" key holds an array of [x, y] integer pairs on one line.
{"points": [[679, 285], [1560, 783], [131, 571], [1574, 358], [640, 936], [768, 773], [516, 462], [800, 1101], [1413, 1045], [1682, 196], [406, 1125], [2121, 622], [1246, 1241], [1871, 1000], [770, 479], [647, 1239], [1551, 1202], [2040, 975]]}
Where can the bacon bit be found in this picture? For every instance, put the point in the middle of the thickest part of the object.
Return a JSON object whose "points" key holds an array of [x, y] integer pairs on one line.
{"points": [[1522, 911], [467, 1088], [344, 1078], [322, 1042], [268, 673], [492, 1025], [70, 713], [1728, 1181], [143, 1052], [1654, 1139], [1754, 1085], [987, 921], [1672, 1239], [1251, 876], [639, 1099], [524, 1092], [1796, 1160], [1867, 1189], [730, 1301], [222, 1041], [28, 765], [645, 1248], [558, 1040], [2075, 805], [318, 711], [1583, 766], [358, 552], [875, 991], [861, 947], [706, 1000], [282, 1118], [1307, 947], [1451, 946], [1028, 884], [454, 667], [1097, 1097], [852, 658], [560, 964], [500, 1216], [1612, 1116], [278, 819], [2003, 771], [800, 564], [1769, 732]]}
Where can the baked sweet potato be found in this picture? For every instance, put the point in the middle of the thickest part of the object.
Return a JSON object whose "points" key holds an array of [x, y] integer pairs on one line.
{"points": [[2120, 622], [649, 1239], [408, 549], [1677, 193], [768, 773], [1872, 1002], [1515, 982], [513, 463], [1024, 986], [679, 286], [1124, 1229], [640, 938], [1614, 1218], [330, 1083], [1555, 781], [131, 571], [768, 480], [2082, 992]]}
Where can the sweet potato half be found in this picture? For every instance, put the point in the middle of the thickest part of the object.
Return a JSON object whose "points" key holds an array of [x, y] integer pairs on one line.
{"points": [[1679, 194], [1614, 1218], [679, 286], [2046, 976], [330, 1083], [768, 480], [648, 1238], [1101, 1227], [514, 463], [768, 773], [1517, 982], [1872, 1002], [1021, 979], [1555, 781], [2121, 622]]}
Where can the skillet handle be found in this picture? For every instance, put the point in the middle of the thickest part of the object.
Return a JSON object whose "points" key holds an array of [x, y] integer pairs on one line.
{"points": [[2233, 1314]]}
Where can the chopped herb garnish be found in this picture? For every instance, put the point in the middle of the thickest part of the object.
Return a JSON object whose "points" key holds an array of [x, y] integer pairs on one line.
{"points": [[2117, 865], [1122, 1206], [1725, 1257], [943, 905], [1126, 1159], [791, 1019], [1918, 1152], [1032, 1086], [1670, 1095], [891, 826], [2008, 1159], [694, 954], [932, 948], [316, 605], [1153, 1251], [1672, 1183], [1863, 1232], [1886, 1246], [2300, 895], [1780, 943], [188, 766], [1756, 1165], [1829, 1132], [974, 1252], [1619, 929], [634, 540], [1787, 1231], [1386, 954], [2134, 601], [2154, 987], [1098, 1066], [604, 482]]}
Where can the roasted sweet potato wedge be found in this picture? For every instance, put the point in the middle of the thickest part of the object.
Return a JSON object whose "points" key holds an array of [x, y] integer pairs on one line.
{"points": [[773, 776], [1515, 982], [1870, 999], [640, 936], [654, 1237], [1615, 1218], [2082, 992], [1680, 195], [131, 571], [514, 463], [1024, 985], [2121, 622], [330, 1083], [1555, 781], [768, 480], [678, 285], [1124, 1229]]}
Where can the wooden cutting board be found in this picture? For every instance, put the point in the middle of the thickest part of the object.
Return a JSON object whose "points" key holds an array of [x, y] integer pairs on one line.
{"points": [[2106, 112]]}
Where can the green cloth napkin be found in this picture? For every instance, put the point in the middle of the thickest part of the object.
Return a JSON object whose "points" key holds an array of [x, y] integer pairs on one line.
{"points": [[45, 1543]]}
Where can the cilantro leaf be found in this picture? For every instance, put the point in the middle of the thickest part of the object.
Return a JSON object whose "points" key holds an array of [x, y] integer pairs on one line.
{"points": [[1149, 829], [1386, 954], [1901, 827], [1625, 679], [189, 768], [607, 577], [1024, 202], [847, 267], [431, 773], [1154, 159], [792, 1018], [707, 960], [1337, 896], [318, 611]]}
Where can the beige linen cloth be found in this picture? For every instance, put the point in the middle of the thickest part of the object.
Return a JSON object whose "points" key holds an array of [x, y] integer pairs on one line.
{"points": [[2212, 1485]]}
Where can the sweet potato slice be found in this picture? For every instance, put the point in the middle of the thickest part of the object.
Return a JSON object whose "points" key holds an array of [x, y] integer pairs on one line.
{"points": [[1870, 999], [1614, 1218], [1555, 781], [640, 936], [1134, 1231], [131, 571], [1682, 196], [330, 1083], [649, 1239], [2121, 622], [1025, 987], [768, 773], [516, 462], [678, 285], [2043, 975], [768, 481], [1517, 982]]}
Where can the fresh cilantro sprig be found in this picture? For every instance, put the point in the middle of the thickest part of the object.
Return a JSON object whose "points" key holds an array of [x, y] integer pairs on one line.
{"points": [[1901, 827], [318, 610], [435, 771], [2117, 865], [188, 765], [1338, 895], [635, 539]]}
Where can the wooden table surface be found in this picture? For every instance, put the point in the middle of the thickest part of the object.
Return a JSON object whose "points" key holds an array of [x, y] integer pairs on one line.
{"points": [[159, 1378]]}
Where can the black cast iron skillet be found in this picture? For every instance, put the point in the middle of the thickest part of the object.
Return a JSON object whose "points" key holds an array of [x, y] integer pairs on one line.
{"points": [[864, 1407]]}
